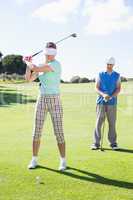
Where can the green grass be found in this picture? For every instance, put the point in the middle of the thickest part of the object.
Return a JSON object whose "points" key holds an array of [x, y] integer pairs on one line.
{"points": [[91, 175]]}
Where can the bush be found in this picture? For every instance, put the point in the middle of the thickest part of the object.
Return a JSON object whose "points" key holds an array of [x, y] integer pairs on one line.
{"points": [[75, 79], [84, 80], [62, 81], [123, 79], [130, 79]]}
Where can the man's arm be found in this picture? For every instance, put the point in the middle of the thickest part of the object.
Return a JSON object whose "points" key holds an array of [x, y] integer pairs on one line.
{"points": [[118, 89], [97, 88]]}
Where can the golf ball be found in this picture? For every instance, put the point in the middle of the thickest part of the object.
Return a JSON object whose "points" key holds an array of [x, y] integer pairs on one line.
{"points": [[38, 179]]}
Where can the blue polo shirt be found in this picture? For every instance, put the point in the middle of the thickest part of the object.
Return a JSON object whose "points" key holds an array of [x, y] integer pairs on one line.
{"points": [[108, 83]]}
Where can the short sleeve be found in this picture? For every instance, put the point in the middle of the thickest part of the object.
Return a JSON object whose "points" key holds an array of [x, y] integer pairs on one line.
{"points": [[56, 66], [119, 80], [97, 79], [40, 65]]}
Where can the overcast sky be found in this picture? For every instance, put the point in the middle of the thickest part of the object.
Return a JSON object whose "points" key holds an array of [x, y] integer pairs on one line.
{"points": [[104, 28]]}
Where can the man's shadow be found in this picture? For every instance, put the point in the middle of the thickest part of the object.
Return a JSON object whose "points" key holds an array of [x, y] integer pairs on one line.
{"points": [[120, 150], [90, 177]]}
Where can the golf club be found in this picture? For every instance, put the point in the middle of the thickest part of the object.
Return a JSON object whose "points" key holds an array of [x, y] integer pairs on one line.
{"points": [[74, 35], [102, 136], [105, 100], [103, 129]]}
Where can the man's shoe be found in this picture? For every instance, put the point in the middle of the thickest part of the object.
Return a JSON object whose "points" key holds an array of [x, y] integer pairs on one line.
{"points": [[114, 147], [62, 166], [94, 147], [33, 164]]}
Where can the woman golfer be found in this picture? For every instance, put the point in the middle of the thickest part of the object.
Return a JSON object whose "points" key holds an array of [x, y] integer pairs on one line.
{"points": [[49, 75]]}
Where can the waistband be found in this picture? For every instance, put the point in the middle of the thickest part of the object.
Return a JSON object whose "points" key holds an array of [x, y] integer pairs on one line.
{"points": [[49, 96]]}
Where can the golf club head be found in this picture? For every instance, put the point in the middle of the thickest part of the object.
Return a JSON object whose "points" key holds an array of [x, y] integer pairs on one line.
{"points": [[102, 149]]}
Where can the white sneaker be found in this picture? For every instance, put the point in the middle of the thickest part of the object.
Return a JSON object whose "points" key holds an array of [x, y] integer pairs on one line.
{"points": [[94, 147], [33, 164], [62, 166], [115, 147]]}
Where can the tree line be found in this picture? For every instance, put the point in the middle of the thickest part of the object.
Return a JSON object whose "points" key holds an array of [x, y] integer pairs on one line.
{"points": [[12, 64]]}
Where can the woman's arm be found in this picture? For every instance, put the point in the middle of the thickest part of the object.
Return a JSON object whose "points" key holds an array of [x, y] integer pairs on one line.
{"points": [[45, 68], [29, 75]]}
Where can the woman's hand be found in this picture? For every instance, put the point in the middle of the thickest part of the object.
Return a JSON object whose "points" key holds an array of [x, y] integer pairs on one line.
{"points": [[27, 59]]}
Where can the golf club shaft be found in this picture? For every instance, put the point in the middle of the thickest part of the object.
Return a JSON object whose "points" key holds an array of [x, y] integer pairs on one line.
{"points": [[63, 39], [37, 53], [102, 136], [55, 43]]}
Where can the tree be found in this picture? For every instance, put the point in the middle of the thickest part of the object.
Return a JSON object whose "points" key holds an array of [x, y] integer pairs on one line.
{"points": [[1, 55], [14, 64], [1, 67]]}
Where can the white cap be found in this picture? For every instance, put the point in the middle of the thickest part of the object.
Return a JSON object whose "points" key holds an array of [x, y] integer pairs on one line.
{"points": [[50, 51], [111, 61]]}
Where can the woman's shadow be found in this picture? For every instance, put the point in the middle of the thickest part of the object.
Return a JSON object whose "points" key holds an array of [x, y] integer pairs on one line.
{"points": [[91, 177]]}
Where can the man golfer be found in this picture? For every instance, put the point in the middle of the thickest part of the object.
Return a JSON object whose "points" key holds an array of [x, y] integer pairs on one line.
{"points": [[108, 86], [49, 75]]}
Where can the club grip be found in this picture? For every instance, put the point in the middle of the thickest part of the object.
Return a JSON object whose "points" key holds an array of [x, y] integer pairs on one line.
{"points": [[37, 53]]}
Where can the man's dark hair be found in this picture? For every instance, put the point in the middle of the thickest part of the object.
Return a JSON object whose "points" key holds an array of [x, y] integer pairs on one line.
{"points": [[51, 45]]}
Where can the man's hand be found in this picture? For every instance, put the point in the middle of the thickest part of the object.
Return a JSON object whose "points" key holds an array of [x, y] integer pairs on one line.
{"points": [[106, 97]]}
